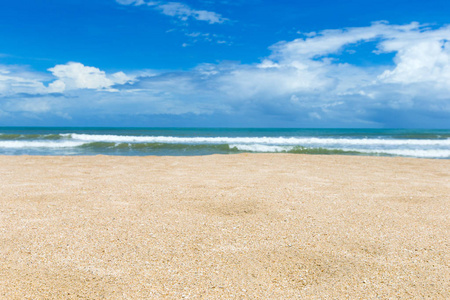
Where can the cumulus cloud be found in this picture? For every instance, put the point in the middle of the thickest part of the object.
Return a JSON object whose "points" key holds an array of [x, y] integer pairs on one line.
{"points": [[74, 75], [307, 77], [178, 10], [305, 81], [422, 54], [421, 57]]}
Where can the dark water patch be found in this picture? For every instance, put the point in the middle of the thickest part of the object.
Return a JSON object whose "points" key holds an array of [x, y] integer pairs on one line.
{"points": [[98, 145], [30, 137], [54, 137], [10, 136], [424, 136], [157, 148], [304, 150]]}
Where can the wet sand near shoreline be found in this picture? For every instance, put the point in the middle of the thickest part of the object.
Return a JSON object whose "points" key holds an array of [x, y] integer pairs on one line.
{"points": [[244, 226]]}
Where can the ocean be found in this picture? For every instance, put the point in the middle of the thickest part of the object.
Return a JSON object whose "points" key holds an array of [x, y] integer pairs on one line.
{"points": [[205, 141]]}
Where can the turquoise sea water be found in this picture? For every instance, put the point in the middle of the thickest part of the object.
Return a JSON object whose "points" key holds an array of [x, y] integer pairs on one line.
{"points": [[204, 141]]}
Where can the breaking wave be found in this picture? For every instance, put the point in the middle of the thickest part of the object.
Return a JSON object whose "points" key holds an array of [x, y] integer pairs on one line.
{"points": [[88, 144]]}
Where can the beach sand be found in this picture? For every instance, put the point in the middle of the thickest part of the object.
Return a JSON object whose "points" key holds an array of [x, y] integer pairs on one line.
{"points": [[246, 226]]}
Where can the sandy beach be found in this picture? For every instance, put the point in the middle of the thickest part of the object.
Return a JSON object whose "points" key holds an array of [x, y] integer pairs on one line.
{"points": [[245, 226]]}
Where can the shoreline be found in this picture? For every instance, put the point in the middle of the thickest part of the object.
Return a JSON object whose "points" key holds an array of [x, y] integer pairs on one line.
{"points": [[235, 226], [227, 154]]}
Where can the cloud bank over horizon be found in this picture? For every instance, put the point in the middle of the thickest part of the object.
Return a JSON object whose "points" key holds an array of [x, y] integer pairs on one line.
{"points": [[312, 81]]}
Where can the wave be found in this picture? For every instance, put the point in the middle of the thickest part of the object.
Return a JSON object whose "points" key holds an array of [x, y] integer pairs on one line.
{"points": [[431, 153], [291, 149], [274, 141], [80, 143], [293, 141], [170, 148]]}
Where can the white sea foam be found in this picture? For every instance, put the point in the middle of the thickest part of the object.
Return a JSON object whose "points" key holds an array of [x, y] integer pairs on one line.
{"points": [[430, 153], [408, 152], [425, 148], [293, 141]]}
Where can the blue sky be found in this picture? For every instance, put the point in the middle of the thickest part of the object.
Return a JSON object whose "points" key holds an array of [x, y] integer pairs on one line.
{"points": [[225, 63]]}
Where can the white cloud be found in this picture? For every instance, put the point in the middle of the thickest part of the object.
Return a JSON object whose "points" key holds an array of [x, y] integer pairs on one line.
{"points": [[304, 78], [16, 80], [328, 42], [195, 37], [272, 82], [32, 106], [178, 10], [74, 75], [422, 57], [129, 2]]}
